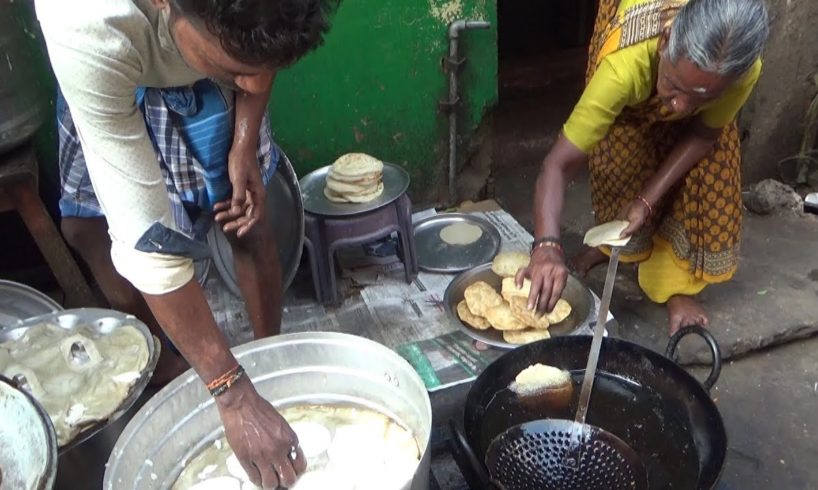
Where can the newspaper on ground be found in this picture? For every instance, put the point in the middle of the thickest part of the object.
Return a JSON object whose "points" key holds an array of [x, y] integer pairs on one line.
{"points": [[380, 305]]}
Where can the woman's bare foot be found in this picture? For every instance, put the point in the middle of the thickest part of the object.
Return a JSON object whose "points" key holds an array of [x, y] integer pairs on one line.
{"points": [[168, 368], [586, 260], [683, 311]]}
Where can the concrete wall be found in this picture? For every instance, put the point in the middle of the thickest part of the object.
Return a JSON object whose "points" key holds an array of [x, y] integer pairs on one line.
{"points": [[376, 83], [772, 119]]}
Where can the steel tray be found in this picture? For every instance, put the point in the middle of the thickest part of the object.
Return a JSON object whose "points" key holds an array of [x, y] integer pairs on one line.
{"points": [[576, 293], [395, 183], [435, 255]]}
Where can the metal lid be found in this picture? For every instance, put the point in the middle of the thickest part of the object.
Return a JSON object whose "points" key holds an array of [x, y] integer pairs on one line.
{"points": [[28, 444], [19, 302]]}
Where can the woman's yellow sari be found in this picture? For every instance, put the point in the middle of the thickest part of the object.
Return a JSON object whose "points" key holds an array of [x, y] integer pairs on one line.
{"points": [[692, 238]]}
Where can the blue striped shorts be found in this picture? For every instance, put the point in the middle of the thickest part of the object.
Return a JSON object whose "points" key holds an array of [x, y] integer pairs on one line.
{"points": [[191, 129]]}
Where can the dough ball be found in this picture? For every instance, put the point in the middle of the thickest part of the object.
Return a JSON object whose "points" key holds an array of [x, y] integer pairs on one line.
{"points": [[236, 469], [313, 438]]}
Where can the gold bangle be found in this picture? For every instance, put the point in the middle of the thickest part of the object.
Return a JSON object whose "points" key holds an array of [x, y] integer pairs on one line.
{"points": [[647, 204]]}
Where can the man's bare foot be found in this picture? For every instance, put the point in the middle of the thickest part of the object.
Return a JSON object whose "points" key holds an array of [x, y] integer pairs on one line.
{"points": [[168, 367], [683, 311], [586, 260]]}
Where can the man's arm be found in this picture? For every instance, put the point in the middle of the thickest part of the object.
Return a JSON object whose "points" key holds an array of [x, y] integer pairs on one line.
{"points": [[246, 206]]}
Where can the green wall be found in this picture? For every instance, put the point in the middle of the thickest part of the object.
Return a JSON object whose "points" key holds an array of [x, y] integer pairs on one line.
{"points": [[375, 85]]}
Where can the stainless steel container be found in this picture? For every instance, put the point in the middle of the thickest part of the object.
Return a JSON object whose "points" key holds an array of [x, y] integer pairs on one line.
{"points": [[315, 367], [28, 443]]}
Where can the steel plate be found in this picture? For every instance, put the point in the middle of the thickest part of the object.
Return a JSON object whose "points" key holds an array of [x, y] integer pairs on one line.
{"points": [[19, 302], [576, 293], [435, 255], [285, 211], [102, 321], [395, 183]]}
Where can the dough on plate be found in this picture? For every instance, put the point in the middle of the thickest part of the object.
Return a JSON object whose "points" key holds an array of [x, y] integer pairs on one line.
{"points": [[461, 234], [506, 264], [607, 234], [470, 319], [480, 296], [521, 337]]}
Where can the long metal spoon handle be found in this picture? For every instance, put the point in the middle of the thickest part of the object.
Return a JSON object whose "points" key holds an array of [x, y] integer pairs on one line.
{"points": [[599, 333]]}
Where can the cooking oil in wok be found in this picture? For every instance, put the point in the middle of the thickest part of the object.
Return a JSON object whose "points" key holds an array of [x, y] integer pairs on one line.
{"points": [[635, 413]]}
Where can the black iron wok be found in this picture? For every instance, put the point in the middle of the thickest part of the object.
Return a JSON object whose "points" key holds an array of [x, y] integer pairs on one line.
{"points": [[642, 397]]}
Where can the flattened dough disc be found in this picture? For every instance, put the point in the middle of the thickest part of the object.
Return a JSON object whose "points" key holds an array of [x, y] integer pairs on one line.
{"points": [[607, 234]]}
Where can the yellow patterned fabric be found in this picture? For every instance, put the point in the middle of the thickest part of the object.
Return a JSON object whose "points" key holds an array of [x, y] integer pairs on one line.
{"points": [[693, 237]]}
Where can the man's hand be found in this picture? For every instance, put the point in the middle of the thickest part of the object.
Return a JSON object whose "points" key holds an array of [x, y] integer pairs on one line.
{"points": [[636, 213], [246, 207], [548, 274], [260, 437]]}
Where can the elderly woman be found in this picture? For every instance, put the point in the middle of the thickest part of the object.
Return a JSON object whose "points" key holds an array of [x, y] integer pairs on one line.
{"points": [[656, 127]]}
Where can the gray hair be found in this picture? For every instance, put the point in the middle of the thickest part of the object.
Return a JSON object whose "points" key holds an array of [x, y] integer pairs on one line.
{"points": [[720, 36]]}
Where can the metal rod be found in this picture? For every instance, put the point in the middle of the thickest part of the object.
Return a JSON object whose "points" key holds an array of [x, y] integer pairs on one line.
{"points": [[453, 66], [599, 333]]}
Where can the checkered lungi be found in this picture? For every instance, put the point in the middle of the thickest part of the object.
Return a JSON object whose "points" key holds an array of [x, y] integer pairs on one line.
{"points": [[191, 129]]}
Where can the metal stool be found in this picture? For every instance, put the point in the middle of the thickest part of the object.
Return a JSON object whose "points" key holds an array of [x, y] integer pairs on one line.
{"points": [[325, 235], [18, 191]]}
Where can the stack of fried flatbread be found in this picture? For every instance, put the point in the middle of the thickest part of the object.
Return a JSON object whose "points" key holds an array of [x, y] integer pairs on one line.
{"points": [[354, 178], [483, 307]]}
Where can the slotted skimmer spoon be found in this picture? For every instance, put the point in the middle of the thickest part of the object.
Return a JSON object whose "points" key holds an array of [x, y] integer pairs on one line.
{"points": [[554, 454]]}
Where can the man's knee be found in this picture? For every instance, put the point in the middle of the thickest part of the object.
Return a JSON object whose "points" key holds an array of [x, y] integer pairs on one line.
{"points": [[259, 241]]}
